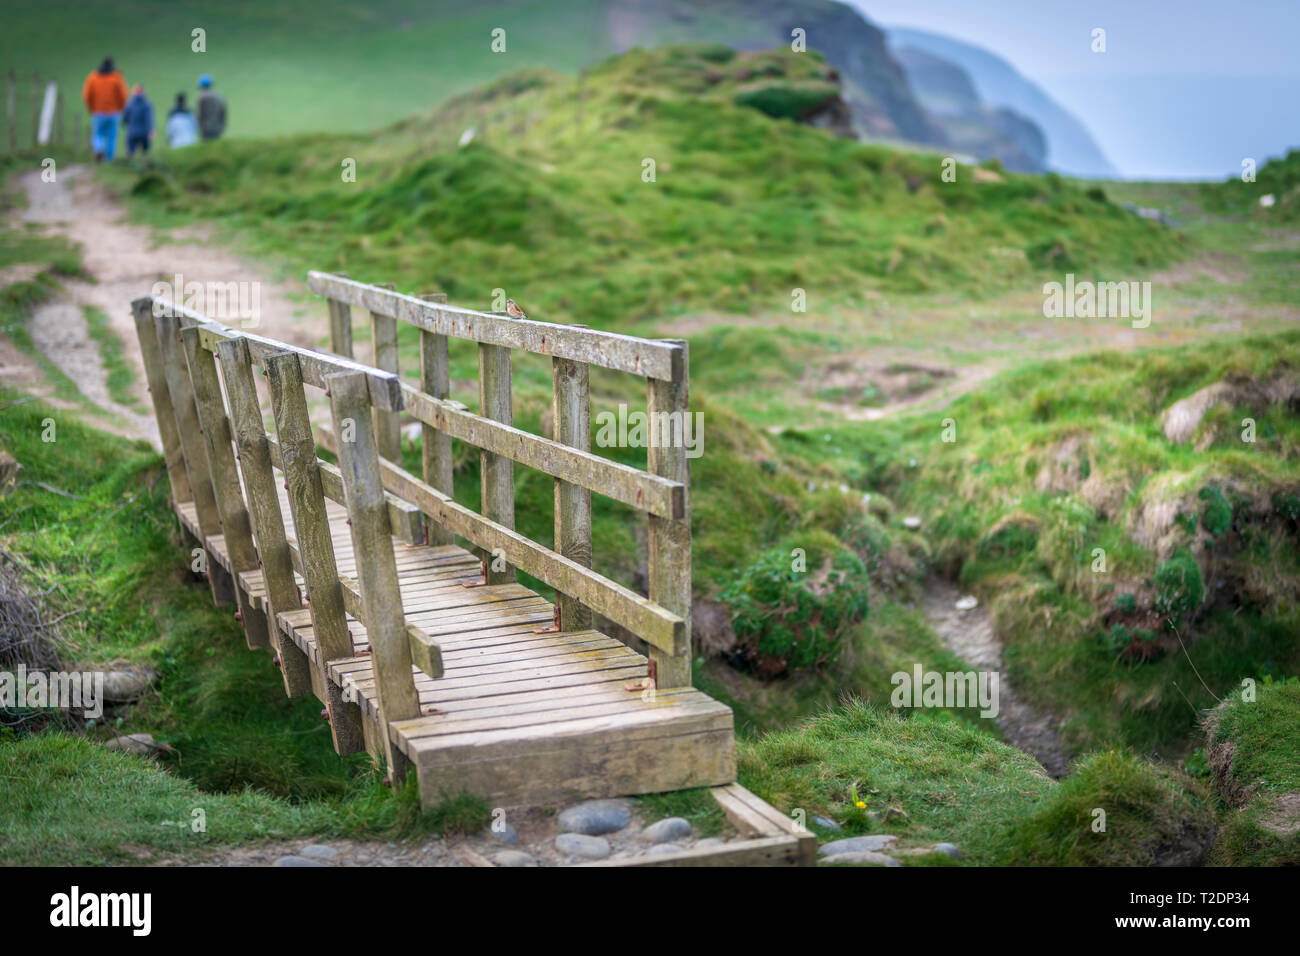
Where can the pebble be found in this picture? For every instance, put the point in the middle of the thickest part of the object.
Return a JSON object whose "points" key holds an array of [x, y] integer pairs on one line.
{"points": [[861, 844], [911, 521], [948, 848], [513, 858], [864, 856], [710, 841], [319, 852], [667, 830], [507, 834], [581, 845], [967, 603], [660, 848], [826, 823], [296, 861], [596, 817]]}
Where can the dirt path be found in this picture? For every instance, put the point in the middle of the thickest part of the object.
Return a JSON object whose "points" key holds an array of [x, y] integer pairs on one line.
{"points": [[125, 261], [969, 634]]}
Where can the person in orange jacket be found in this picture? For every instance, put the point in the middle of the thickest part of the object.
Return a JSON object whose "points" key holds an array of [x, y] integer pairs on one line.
{"points": [[104, 94]]}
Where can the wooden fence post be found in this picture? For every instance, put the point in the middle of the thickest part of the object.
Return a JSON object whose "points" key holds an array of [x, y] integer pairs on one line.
{"points": [[340, 326], [670, 540], [311, 524], [383, 343], [571, 410], [181, 390], [372, 543], [235, 525], [264, 503], [435, 446], [151, 357], [496, 471]]}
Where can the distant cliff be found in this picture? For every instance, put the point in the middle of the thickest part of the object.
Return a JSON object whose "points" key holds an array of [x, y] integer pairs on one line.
{"points": [[972, 127], [1070, 147]]}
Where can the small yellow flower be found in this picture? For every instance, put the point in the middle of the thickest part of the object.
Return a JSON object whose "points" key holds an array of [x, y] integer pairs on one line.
{"points": [[861, 805]]}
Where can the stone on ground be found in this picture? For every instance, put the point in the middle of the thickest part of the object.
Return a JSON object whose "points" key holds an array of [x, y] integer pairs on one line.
{"points": [[596, 817]]}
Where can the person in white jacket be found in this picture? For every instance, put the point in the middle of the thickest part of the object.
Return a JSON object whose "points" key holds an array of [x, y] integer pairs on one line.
{"points": [[182, 127]]}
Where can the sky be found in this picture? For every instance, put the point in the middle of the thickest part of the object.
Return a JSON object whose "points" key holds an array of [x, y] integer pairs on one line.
{"points": [[1185, 89]]}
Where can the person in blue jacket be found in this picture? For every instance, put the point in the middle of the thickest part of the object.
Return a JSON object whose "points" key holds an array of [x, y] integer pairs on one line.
{"points": [[182, 127], [138, 120]]}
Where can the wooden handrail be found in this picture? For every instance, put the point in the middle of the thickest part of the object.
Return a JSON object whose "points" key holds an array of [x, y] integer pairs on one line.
{"points": [[650, 358], [631, 486]]}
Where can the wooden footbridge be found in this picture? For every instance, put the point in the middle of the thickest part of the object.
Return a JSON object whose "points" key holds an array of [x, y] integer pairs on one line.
{"points": [[427, 653]]}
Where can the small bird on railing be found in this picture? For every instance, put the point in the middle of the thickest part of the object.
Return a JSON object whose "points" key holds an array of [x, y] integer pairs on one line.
{"points": [[513, 310]]}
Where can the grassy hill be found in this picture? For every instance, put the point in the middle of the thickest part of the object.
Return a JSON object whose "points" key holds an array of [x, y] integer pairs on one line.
{"points": [[743, 208]]}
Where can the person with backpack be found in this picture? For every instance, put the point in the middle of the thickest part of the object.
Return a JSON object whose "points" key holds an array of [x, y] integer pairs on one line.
{"points": [[182, 128], [104, 94], [138, 120], [212, 110]]}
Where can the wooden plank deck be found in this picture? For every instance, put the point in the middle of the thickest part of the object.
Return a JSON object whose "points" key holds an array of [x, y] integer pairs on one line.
{"points": [[518, 716]]}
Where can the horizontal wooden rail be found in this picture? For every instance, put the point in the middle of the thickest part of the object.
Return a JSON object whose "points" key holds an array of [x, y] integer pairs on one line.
{"points": [[650, 358], [631, 486], [385, 388], [656, 626]]}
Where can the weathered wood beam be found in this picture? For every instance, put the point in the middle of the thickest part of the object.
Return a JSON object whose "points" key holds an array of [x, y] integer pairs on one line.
{"points": [[372, 543], [264, 505], [571, 413], [497, 472], [624, 353], [435, 444], [577, 466], [670, 538], [155, 376]]}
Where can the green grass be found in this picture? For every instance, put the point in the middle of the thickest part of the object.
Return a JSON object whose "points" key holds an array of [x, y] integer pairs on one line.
{"points": [[1255, 758], [120, 373], [953, 782], [1114, 809], [997, 518], [17, 302]]}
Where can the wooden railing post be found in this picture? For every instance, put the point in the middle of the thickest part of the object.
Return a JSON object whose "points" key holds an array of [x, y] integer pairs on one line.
{"points": [[315, 544], [383, 342], [372, 543], [151, 356], [670, 539], [235, 524], [340, 326], [435, 445], [264, 503], [497, 471], [571, 410], [181, 390]]}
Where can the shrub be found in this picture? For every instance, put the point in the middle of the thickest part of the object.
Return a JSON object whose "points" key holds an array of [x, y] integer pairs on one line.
{"points": [[1126, 604], [1180, 588], [787, 101], [1217, 516], [785, 618]]}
